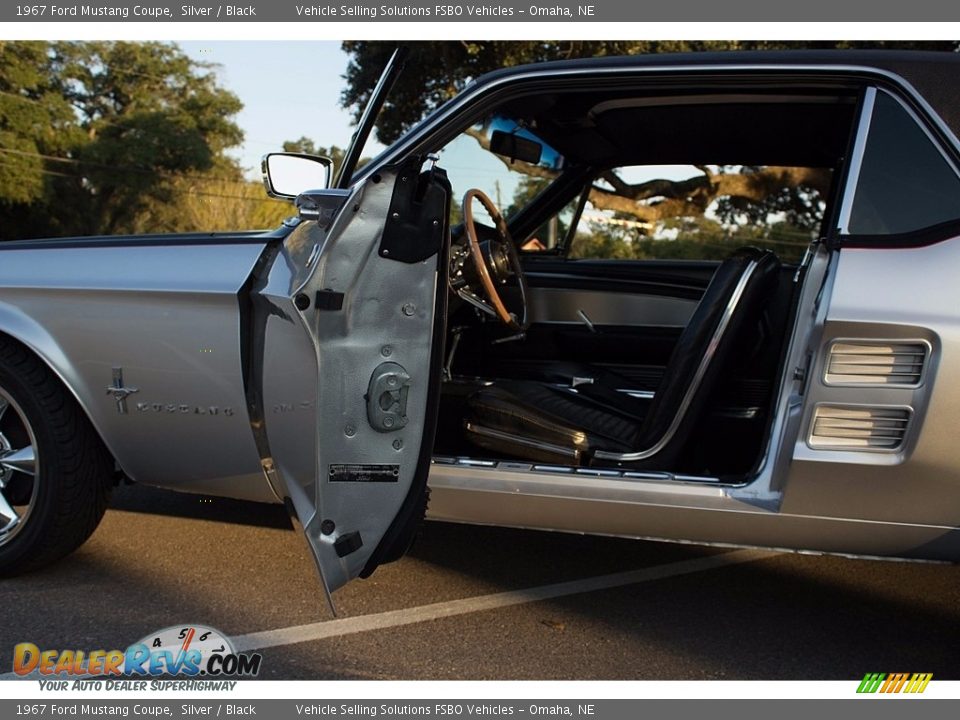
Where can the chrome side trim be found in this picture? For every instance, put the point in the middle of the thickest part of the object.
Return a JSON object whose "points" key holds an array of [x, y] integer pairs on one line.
{"points": [[856, 159], [525, 442], [499, 467], [697, 378]]}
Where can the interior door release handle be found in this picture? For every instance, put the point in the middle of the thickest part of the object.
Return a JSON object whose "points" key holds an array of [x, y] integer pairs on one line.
{"points": [[587, 322]]}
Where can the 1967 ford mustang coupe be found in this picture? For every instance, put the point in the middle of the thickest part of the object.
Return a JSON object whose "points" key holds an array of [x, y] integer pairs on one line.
{"points": [[710, 298]]}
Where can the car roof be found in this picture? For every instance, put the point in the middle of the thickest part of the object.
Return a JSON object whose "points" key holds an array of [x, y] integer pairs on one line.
{"points": [[935, 75]]}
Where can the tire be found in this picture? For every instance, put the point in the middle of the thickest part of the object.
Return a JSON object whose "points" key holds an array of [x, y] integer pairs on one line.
{"points": [[59, 504]]}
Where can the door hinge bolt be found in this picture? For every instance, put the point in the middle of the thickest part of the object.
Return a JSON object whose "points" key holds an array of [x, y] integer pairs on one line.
{"points": [[409, 309], [397, 444], [349, 431]]}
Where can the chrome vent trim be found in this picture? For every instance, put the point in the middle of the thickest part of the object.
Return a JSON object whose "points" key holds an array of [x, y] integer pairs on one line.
{"points": [[859, 427], [876, 363]]}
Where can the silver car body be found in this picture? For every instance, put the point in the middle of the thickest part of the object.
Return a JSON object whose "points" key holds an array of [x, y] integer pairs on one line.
{"points": [[169, 319]]}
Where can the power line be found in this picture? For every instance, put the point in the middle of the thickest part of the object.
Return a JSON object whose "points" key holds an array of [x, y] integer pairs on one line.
{"points": [[100, 120], [125, 168], [246, 140], [188, 193]]}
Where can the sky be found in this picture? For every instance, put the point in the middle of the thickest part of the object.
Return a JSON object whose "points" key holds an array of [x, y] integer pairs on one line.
{"points": [[291, 89], [288, 89]]}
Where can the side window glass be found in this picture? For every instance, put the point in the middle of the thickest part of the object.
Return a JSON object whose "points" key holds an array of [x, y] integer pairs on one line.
{"points": [[701, 212], [905, 183], [550, 235]]}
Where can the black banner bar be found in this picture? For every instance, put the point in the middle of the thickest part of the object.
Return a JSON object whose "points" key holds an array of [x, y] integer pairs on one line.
{"points": [[498, 11]]}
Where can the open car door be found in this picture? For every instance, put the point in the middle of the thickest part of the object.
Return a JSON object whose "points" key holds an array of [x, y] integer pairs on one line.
{"points": [[345, 360]]}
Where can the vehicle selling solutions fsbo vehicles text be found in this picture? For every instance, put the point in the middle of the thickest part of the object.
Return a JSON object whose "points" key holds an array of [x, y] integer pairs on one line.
{"points": [[375, 11], [445, 10]]}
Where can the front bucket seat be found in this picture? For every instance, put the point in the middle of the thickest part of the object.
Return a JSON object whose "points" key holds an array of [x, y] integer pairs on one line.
{"points": [[594, 424]]}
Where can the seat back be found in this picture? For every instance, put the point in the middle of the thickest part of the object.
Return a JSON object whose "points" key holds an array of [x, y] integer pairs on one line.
{"points": [[730, 307]]}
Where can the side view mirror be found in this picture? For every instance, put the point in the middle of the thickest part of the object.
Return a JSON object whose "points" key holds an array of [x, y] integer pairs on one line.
{"points": [[286, 175]]}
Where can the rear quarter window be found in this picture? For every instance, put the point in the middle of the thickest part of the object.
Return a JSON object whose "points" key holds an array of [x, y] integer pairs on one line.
{"points": [[905, 183]]}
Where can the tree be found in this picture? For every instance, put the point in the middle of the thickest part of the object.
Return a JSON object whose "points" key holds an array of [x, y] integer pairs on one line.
{"points": [[101, 137], [35, 120]]}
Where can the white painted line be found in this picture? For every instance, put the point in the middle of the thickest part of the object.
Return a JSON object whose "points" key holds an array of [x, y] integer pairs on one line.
{"points": [[452, 608]]}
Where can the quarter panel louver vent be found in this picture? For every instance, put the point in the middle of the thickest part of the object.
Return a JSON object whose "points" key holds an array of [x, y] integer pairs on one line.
{"points": [[850, 427], [876, 363]]}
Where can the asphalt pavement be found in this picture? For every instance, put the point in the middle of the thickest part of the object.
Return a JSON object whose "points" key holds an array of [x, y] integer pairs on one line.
{"points": [[485, 603]]}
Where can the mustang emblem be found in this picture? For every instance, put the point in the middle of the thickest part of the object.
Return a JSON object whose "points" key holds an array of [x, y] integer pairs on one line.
{"points": [[120, 392]]}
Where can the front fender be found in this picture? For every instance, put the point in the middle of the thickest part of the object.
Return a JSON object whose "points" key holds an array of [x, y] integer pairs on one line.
{"points": [[171, 329]]}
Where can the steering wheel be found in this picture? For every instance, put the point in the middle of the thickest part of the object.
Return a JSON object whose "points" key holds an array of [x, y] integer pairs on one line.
{"points": [[494, 260]]}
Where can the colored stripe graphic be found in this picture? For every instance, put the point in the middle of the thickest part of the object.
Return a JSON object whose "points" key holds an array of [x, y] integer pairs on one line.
{"points": [[871, 682], [919, 682], [894, 682]]}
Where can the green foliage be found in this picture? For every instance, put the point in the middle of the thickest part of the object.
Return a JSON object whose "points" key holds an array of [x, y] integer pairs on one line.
{"points": [[695, 238], [113, 137], [35, 119], [437, 70]]}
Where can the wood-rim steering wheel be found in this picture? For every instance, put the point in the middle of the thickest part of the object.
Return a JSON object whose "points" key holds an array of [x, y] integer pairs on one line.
{"points": [[490, 271]]}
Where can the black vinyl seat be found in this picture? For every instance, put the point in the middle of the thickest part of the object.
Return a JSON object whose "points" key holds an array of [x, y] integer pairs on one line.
{"points": [[592, 423]]}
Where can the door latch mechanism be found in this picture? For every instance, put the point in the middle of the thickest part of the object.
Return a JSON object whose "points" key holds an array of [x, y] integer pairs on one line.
{"points": [[387, 397]]}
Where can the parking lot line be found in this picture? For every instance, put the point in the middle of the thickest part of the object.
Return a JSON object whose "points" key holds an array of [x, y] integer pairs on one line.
{"points": [[451, 608]]}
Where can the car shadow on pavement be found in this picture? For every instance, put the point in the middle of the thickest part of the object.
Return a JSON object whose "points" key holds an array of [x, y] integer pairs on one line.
{"points": [[783, 617], [787, 616], [159, 501]]}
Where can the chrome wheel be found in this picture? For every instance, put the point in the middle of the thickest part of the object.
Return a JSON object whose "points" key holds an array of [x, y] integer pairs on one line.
{"points": [[18, 469], [48, 508]]}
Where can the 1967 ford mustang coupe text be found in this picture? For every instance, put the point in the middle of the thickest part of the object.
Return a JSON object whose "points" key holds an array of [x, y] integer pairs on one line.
{"points": [[710, 298]]}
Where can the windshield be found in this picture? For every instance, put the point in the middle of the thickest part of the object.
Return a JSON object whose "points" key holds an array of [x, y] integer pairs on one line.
{"points": [[510, 183]]}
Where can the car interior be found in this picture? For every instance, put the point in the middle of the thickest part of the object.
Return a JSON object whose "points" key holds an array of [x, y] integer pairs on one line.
{"points": [[625, 269]]}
